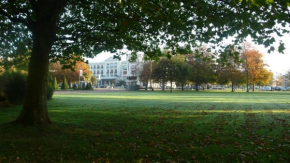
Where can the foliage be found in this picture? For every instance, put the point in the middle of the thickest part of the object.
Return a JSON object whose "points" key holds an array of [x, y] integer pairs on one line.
{"points": [[55, 83], [94, 80], [64, 85], [72, 75], [231, 75], [15, 88], [163, 71], [1, 70], [145, 74], [89, 86], [50, 87], [50, 90], [182, 70], [75, 86], [18, 61], [121, 83], [203, 67], [230, 69], [256, 68]]}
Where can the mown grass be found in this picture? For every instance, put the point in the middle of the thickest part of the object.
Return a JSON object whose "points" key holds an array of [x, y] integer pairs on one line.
{"points": [[154, 127]]}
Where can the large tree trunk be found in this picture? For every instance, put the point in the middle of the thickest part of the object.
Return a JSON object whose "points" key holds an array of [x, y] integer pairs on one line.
{"points": [[34, 110]]}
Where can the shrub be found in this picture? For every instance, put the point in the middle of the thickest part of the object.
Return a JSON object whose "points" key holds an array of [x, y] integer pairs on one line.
{"points": [[89, 86], [50, 90], [83, 86], [64, 85], [15, 88], [75, 87]]}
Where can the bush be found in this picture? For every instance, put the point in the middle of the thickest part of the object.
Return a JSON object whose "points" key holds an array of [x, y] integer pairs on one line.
{"points": [[14, 84], [75, 87], [15, 88], [89, 86], [50, 90]]}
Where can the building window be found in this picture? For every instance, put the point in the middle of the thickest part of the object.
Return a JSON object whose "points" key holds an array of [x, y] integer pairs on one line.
{"points": [[115, 71], [125, 72], [102, 72]]}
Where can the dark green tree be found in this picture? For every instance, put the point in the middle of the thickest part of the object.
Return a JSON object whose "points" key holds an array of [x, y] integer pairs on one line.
{"points": [[64, 85], [160, 72], [51, 30], [230, 70], [182, 70], [202, 67]]}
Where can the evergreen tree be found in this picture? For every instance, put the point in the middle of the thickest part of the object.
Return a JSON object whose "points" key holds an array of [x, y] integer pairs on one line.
{"points": [[56, 87], [64, 84]]}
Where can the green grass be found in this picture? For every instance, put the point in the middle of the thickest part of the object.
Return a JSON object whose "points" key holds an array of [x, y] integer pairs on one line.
{"points": [[154, 127]]}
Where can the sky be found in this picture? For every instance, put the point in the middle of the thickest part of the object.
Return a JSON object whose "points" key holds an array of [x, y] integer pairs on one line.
{"points": [[278, 63]]}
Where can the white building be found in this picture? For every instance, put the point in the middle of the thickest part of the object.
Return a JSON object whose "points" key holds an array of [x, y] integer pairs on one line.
{"points": [[112, 71]]}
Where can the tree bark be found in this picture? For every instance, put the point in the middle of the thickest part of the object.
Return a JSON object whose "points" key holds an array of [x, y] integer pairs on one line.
{"points": [[170, 86], [163, 85], [34, 110], [196, 87]]}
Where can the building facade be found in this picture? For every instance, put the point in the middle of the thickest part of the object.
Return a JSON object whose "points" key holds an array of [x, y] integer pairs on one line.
{"points": [[112, 71]]}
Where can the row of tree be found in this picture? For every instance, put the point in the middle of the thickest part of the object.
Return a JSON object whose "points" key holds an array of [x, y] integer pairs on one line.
{"points": [[58, 71], [201, 67]]}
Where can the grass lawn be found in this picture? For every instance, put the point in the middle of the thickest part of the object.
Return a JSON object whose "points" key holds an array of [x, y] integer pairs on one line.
{"points": [[154, 127]]}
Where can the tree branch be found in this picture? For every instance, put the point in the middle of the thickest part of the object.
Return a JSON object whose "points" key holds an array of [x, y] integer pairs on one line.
{"points": [[13, 19]]}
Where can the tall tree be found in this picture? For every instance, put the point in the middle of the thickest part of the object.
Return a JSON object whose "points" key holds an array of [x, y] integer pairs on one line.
{"points": [[161, 72], [203, 67], [145, 73], [60, 29], [182, 70], [255, 67], [231, 75], [230, 68]]}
